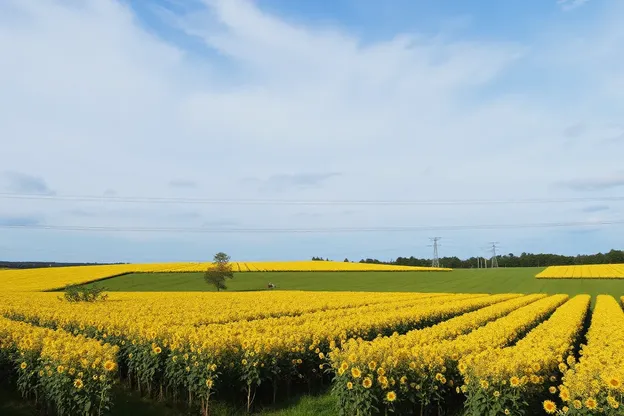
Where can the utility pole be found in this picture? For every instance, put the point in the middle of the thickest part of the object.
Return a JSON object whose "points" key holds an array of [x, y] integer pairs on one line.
{"points": [[494, 255], [436, 259]]}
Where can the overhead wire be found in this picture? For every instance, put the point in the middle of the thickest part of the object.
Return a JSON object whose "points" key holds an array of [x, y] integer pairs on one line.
{"points": [[229, 201], [219, 230]]}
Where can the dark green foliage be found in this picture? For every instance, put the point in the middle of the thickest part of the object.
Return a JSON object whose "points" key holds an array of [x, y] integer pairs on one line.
{"points": [[219, 271], [511, 260], [79, 293]]}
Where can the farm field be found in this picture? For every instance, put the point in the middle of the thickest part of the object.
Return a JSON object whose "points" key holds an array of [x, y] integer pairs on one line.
{"points": [[214, 350], [162, 344], [58, 277], [520, 280]]}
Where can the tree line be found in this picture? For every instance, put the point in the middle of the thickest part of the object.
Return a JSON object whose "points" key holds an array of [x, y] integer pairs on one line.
{"points": [[40, 264], [511, 260]]}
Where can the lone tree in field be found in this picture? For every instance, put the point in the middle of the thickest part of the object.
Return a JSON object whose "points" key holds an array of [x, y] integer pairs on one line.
{"points": [[220, 270]]}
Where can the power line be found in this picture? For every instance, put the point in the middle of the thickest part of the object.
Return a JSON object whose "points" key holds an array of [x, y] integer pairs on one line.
{"points": [[309, 230], [226, 201]]}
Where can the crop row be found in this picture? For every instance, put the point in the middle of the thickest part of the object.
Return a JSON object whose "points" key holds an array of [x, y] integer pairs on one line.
{"points": [[421, 367], [198, 308], [594, 383], [509, 380], [70, 374], [199, 360]]}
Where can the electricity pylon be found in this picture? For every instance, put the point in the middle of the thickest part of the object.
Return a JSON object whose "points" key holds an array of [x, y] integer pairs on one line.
{"points": [[436, 260], [494, 263]]}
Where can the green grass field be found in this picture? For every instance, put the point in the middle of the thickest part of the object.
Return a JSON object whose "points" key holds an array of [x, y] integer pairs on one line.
{"points": [[520, 280]]}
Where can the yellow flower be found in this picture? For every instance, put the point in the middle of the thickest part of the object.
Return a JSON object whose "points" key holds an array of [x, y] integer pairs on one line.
{"points": [[514, 381], [391, 396], [577, 404], [78, 383], [614, 382], [552, 389], [349, 385], [209, 383], [613, 402], [109, 365], [497, 393], [355, 372], [506, 411], [591, 403], [367, 383], [550, 407], [23, 366]]}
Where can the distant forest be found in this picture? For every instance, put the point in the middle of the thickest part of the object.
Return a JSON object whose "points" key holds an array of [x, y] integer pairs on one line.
{"points": [[507, 260]]}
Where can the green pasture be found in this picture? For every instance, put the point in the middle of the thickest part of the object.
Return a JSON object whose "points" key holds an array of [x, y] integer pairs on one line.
{"points": [[502, 280]]}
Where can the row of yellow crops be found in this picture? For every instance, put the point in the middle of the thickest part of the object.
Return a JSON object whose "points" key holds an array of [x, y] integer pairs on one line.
{"points": [[200, 359], [595, 383], [421, 367], [505, 379], [51, 278], [591, 271], [72, 374], [193, 308]]}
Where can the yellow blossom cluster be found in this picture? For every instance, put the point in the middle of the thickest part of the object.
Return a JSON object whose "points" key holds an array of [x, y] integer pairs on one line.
{"points": [[50, 278], [420, 366], [527, 369], [73, 373], [588, 271], [594, 384]]}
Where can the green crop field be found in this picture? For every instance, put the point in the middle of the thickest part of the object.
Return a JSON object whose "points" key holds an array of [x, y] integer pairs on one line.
{"points": [[520, 280]]}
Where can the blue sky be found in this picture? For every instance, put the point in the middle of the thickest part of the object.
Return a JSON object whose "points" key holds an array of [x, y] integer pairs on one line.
{"points": [[315, 100]]}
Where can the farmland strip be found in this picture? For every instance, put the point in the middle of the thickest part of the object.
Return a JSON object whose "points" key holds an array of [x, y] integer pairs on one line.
{"points": [[596, 381], [422, 371], [199, 309]]}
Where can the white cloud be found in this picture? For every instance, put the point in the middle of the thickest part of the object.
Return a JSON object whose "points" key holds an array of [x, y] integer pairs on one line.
{"points": [[571, 4], [93, 101]]}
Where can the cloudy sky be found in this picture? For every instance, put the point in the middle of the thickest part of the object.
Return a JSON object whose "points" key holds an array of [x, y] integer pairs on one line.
{"points": [[331, 101]]}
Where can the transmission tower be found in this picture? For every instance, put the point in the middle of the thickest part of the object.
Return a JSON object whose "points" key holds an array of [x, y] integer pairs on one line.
{"points": [[494, 263], [436, 259]]}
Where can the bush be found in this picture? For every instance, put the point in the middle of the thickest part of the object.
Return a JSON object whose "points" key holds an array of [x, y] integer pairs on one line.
{"points": [[77, 293]]}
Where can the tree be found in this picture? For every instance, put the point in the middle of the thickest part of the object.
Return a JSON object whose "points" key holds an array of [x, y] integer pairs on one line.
{"points": [[346, 260], [220, 270]]}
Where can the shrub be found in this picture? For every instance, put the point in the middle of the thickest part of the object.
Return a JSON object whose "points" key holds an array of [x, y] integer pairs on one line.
{"points": [[78, 293]]}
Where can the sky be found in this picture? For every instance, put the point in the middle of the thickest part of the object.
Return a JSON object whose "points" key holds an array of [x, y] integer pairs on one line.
{"points": [[331, 101]]}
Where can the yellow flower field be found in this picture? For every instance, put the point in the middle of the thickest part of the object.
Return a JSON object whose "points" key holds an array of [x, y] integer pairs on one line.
{"points": [[58, 277], [381, 352], [591, 271]]}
